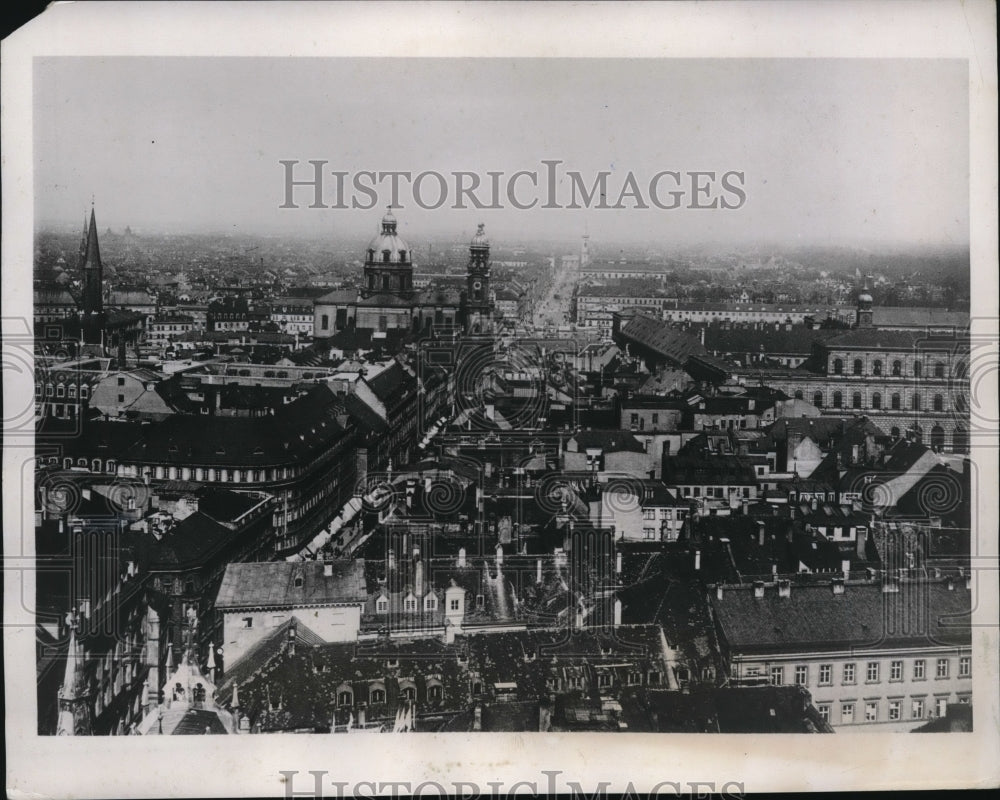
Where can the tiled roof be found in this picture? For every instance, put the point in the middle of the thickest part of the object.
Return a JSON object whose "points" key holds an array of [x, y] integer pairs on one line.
{"points": [[283, 584], [812, 616], [899, 341], [608, 441], [659, 337], [919, 317]]}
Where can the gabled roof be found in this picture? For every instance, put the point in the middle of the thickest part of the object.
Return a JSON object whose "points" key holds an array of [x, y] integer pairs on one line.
{"points": [[813, 616], [614, 441], [286, 584]]}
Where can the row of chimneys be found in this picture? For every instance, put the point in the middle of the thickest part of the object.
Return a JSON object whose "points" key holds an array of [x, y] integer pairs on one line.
{"points": [[890, 585]]}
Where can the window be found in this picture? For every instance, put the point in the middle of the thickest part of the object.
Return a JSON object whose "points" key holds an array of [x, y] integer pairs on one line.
{"points": [[434, 692], [649, 533], [895, 402], [84, 392], [824, 711], [856, 400], [942, 706], [897, 368], [871, 711], [825, 674], [121, 381], [410, 604], [777, 676], [917, 369], [938, 369], [649, 513], [917, 708], [915, 402], [848, 673], [801, 675], [410, 693], [919, 667], [847, 713], [381, 605], [838, 399], [376, 696], [894, 710], [857, 366], [818, 399], [656, 419], [60, 390], [877, 368], [938, 403], [247, 622], [942, 668], [345, 698], [454, 604], [965, 667], [838, 366], [654, 677], [604, 680], [896, 671], [871, 674], [121, 398], [325, 322]]}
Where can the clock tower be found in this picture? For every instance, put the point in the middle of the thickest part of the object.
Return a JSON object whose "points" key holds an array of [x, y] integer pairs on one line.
{"points": [[479, 302]]}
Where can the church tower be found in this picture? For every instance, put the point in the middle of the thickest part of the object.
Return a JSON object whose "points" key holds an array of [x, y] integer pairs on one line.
{"points": [[74, 708], [388, 262], [93, 288], [479, 305], [864, 311]]}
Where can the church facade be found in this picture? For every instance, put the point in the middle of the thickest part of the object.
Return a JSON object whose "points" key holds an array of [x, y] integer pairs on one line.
{"points": [[387, 300]]}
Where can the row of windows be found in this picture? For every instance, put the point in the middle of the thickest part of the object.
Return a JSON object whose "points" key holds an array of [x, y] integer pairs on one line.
{"points": [[60, 390], [895, 401], [896, 368], [872, 709], [873, 671], [410, 604]]}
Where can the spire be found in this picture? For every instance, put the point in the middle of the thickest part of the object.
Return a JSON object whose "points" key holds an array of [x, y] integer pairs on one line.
{"points": [[74, 717], [92, 259]]}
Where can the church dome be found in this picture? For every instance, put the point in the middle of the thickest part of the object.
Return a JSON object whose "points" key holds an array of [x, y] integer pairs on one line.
{"points": [[388, 247], [480, 240]]}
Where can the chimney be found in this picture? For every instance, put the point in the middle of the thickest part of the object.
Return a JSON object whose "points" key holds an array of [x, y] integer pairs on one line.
{"points": [[845, 568], [461, 558], [862, 536], [618, 563], [477, 718], [838, 585], [951, 584], [760, 533], [697, 560], [718, 592], [618, 612], [327, 569], [758, 589], [418, 579]]}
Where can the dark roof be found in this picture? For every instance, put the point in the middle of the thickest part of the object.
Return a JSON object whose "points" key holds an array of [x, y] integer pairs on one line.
{"points": [[764, 339], [608, 441], [674, 345], [189, 543], [225, 505], [712, 470], [283, 584], [199, 720], [863, 616], [878, 338]]}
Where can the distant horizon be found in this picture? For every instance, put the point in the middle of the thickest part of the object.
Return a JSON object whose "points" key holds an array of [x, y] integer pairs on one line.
{"points": [[829, 152]]}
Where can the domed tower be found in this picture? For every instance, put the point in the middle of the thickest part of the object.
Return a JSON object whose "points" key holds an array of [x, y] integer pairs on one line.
{"points": [[864, 312], [388, 264], [479, 303]]}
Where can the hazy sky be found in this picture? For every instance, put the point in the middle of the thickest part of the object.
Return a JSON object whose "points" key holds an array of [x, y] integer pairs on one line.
{"points": [[840, 151]]}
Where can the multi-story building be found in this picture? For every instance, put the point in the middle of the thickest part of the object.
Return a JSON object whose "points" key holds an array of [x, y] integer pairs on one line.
{"points": [[166, 328], [881, 654], [293, 315]]}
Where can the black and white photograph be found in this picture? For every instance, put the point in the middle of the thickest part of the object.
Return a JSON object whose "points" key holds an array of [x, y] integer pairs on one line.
{"points": [[552, 406]]}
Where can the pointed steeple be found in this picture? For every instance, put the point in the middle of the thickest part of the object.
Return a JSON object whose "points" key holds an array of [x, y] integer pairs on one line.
{"points": [[92, 257], [74, 716]]}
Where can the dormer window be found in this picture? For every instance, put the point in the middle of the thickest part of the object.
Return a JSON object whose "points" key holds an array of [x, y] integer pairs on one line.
{"points": [[299, 581], [430, 602], [402, 255], [386, 254], [382, 605]]}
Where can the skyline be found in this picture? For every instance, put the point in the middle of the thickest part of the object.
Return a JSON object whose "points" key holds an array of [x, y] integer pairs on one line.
{"points": [[834, 152]]}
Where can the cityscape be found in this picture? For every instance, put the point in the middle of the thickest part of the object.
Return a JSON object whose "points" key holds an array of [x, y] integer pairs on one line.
{"points": [[675, 438], [493, 486]]}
